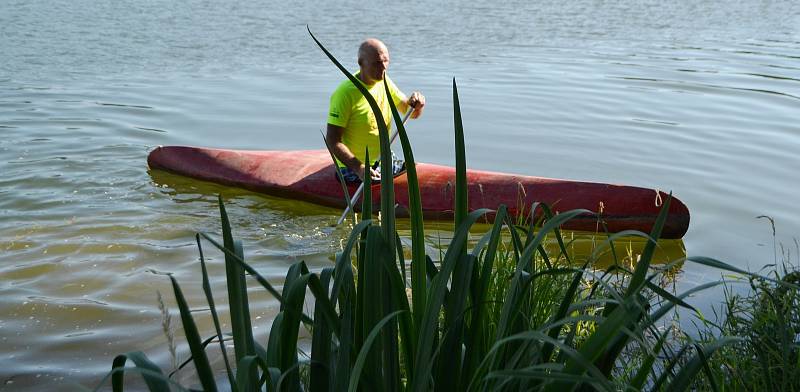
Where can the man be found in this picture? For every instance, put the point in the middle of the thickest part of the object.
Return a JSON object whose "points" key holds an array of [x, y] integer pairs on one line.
{"points": [[351, 124]]}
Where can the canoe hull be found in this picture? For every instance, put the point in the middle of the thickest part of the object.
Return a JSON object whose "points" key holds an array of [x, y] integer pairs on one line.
{"points": [[311, 177]]}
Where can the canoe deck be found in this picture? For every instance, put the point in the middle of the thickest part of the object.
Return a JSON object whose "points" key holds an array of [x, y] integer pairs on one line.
{"points": [[310, 176]]}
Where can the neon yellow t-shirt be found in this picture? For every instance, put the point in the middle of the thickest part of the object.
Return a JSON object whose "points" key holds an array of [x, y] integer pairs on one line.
{"points": [[351, 111]]}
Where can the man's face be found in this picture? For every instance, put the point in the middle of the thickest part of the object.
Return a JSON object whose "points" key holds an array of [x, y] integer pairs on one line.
{"points": [[374, 64]]}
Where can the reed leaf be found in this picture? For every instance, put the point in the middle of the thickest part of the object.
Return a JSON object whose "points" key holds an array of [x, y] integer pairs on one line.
{"points": [[461, 204], [635, 285], [563, 309], [517, 289], [455, 309], [550, 225], [604, 335], [274, 342], [683, 379], [366, 200], [343, 260], [572, 355], [295, 298], [418, 276], [666, 308], [399, 301], [321, 341], [475, 343], [153, 377], [247, 369], [189, 360], [295, 271], [250, 270], [363, 355], [714, 263], [237, 290], [341, 377], [423, 362], [646, 368], [640, 272], [201, 363], [520, 282], [214, 315], [373, 309]]}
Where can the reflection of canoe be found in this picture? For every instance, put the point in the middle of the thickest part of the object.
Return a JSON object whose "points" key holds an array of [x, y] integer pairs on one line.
{"points": [[580, 246], [310, 176]]}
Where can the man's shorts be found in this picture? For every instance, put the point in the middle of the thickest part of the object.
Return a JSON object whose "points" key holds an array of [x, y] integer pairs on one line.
{"points": [[398, 167]]}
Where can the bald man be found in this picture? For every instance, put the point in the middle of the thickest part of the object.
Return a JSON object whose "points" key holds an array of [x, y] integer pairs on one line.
{"points": [[351, 124]]}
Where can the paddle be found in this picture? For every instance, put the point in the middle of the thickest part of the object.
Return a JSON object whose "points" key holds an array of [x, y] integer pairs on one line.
{"points": [[360, 189]]}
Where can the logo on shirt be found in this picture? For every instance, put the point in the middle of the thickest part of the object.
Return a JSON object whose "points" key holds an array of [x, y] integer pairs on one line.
{"points": [[334, 115]]}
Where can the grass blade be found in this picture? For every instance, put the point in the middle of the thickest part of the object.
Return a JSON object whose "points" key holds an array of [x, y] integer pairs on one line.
{"points": [[461, 203], [475, 346], [647, 365], [455, 308], [155, 380], [363, 354], [366, 199], [319, 374], [214, 315], [373, 293], [274, 342], [204, 372], [423, 363], [418, 276], [683, 380], [237, 291], [562, 311], [604, 335], [640, 272], [247, 369], [290, 325]]}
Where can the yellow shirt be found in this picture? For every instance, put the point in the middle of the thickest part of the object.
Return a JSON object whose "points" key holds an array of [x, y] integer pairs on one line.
{"points": [[351, 111]]}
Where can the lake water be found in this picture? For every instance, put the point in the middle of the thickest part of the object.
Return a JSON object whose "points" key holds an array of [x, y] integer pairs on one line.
{"points": [[700, 98]]}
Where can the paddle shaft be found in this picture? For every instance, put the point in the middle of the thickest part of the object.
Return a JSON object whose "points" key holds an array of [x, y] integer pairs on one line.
{"points": [[360, 189]]}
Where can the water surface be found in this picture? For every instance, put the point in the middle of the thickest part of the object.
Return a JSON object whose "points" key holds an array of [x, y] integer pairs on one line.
{"points": [[700, 98]]}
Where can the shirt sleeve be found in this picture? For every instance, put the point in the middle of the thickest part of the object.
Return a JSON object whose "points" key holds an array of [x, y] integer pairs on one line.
{"points": [[340, 108]]}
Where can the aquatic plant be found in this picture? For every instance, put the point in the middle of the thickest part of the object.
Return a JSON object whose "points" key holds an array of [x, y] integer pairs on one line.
{"points": [[502, 314], [767, 318]]}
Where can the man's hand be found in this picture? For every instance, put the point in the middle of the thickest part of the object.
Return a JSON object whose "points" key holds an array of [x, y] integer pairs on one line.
{"points": [[416, 101], [376, 175]]}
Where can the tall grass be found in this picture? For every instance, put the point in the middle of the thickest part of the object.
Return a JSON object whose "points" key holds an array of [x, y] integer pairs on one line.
{"points": [[502, 314], [767, 318]]}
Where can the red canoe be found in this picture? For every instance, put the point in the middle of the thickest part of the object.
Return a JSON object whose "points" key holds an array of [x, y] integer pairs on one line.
{"points": [[310, 176]]}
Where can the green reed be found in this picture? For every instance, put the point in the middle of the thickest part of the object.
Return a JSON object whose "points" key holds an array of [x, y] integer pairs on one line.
{"points": [[504, 314], [768, 321]]}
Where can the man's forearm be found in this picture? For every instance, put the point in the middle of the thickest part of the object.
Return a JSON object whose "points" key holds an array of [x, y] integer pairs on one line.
{"points": [[341, 151], [344, 155]]}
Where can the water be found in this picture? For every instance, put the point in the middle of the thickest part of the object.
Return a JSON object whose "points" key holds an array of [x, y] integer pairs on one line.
{"points": [[698, 98]]}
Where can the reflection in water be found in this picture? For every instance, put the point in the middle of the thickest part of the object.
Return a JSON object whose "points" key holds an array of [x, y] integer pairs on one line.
{"points": [[580, 246]]}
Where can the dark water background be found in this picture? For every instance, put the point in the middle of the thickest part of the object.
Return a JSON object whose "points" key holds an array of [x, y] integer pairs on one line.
{"points": [[697, 97]]}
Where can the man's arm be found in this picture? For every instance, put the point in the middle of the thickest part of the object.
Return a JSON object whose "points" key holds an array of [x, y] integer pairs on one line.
{"points": [[343, 153]]}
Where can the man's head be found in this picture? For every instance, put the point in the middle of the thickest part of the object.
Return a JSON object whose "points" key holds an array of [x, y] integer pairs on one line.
{"points": [[373, 59]]}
